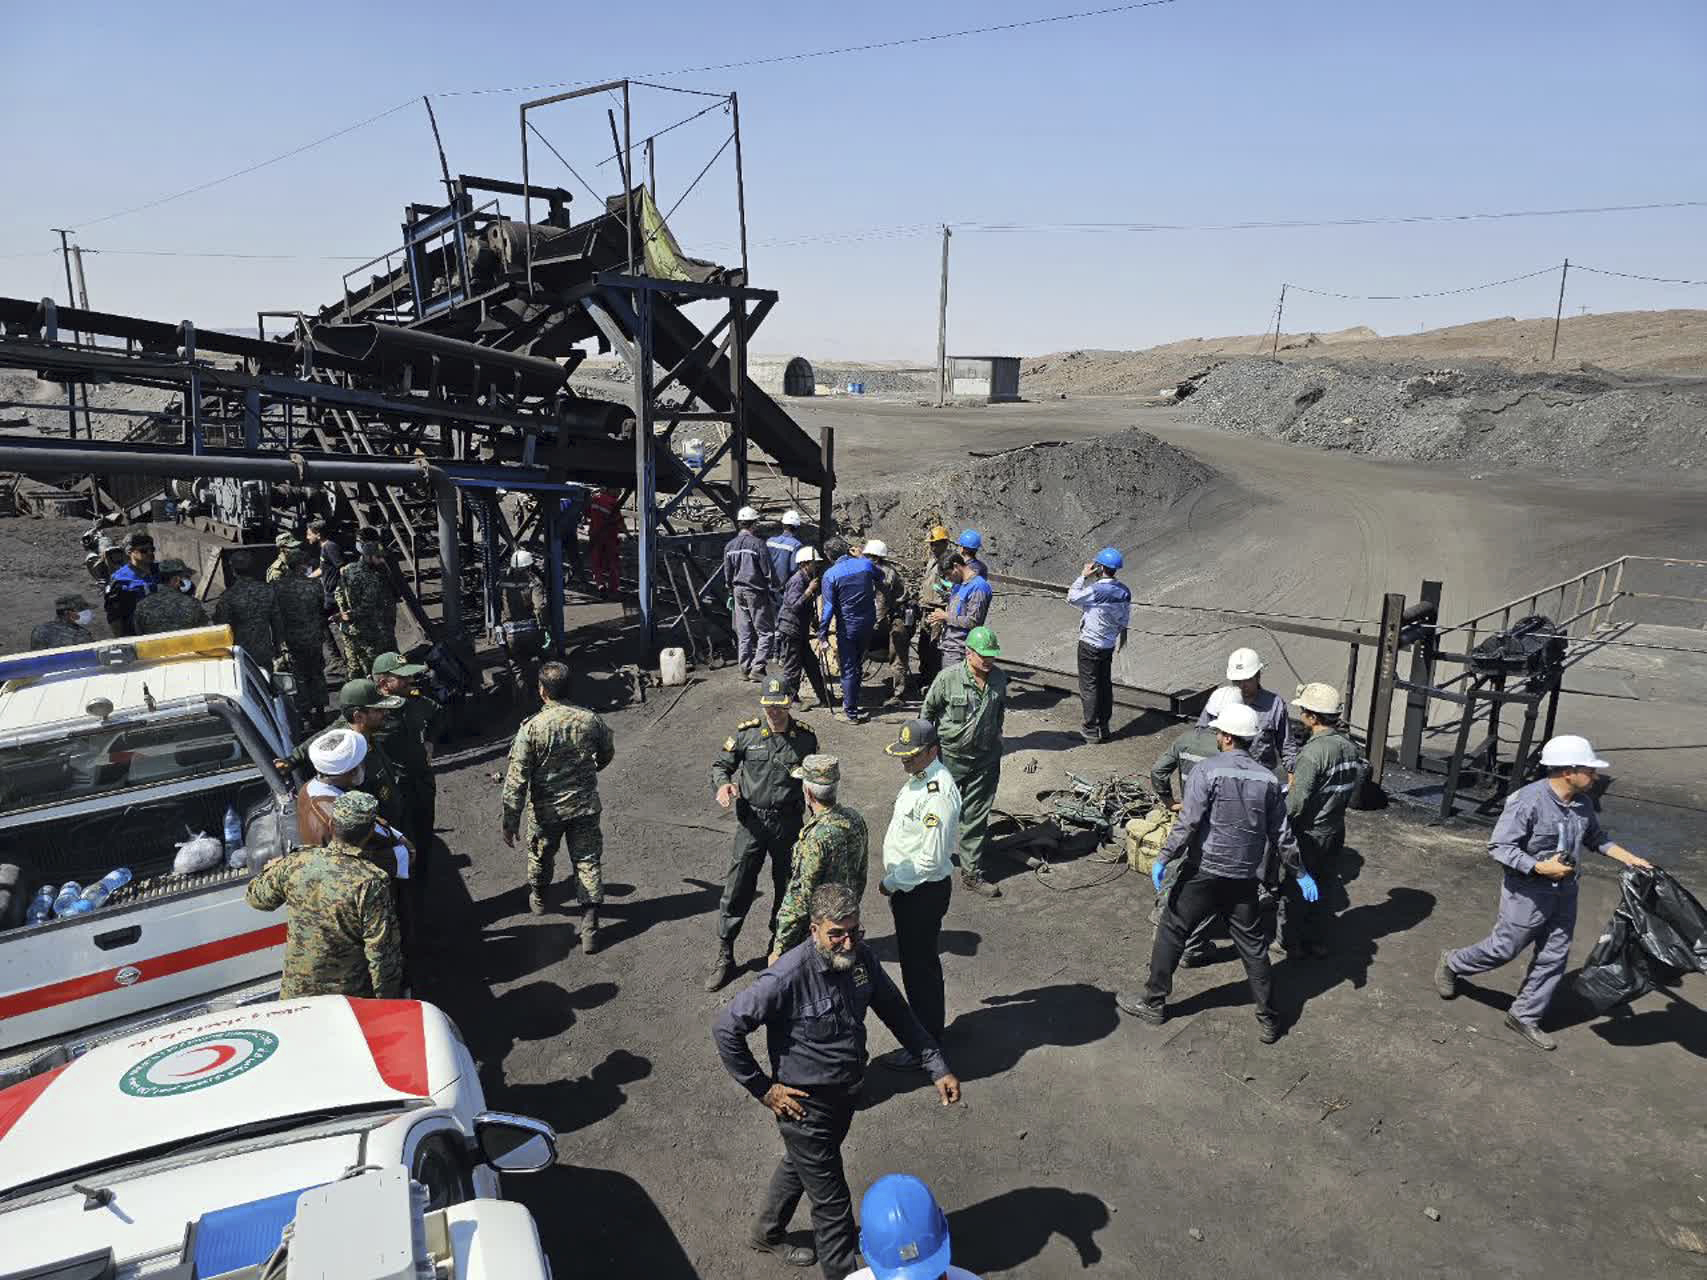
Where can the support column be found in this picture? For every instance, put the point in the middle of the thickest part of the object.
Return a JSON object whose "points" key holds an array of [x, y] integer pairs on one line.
{"points": [[450, 564], [1422, 673], [737, 398], [826, 489], [1381, 697], [551, 518], [645, 469]]}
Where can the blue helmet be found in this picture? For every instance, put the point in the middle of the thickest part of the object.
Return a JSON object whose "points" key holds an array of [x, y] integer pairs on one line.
{"points": [[903, 1233], [972, 540], [1109, 558]]}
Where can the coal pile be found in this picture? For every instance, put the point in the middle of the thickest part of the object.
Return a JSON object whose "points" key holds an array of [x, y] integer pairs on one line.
{"points": [[1043, 509], [1580, 421]]}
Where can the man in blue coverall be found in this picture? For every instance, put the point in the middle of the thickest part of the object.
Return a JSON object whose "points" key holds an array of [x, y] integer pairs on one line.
{"points": [[849, 590]]}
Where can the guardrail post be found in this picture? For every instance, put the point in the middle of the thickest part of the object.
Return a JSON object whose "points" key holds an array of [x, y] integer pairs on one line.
{"points": [[1422, 673], [1386, 672]]}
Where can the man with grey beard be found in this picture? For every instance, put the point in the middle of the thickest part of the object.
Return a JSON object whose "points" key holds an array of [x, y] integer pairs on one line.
{"points": [[812, 1005]]}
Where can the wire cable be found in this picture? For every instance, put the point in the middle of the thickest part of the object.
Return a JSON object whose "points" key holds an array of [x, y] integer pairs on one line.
{"points": [[534, 129], [1291, 224], [1406, 297], [1630, 275], [721, 102]]}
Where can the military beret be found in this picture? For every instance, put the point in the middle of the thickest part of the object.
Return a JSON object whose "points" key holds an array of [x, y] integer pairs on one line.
{"points": [[70, 602], [822, 770], [354, 808]]}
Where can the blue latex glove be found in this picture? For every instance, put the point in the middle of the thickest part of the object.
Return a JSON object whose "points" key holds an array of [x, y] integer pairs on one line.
{"points": [[1307, 886], [1157, 870]]}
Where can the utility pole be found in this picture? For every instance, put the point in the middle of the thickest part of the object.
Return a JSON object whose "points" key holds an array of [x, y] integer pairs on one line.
{"points": [[1559, 312], [82, 284], [72, 293], [942, 327], [651, 169], [1279, 311]]}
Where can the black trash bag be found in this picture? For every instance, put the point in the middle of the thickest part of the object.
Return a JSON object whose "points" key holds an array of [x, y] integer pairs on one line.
{"points": [[1657, 929], [1617, 970]]}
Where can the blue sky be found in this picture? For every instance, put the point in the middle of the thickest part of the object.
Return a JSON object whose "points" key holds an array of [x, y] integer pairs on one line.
{"points": [[1201, 111]]}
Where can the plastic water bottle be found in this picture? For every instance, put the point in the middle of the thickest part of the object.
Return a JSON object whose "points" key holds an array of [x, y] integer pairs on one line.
{"points": [[42, 907], [97, 894], [233, 836], [69, 892]]}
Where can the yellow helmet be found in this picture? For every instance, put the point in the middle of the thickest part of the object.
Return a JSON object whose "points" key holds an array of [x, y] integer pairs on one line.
{"points": [[938, 534]]}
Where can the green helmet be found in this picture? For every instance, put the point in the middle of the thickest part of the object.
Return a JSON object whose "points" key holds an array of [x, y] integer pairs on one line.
{"points": [[982, 641]]}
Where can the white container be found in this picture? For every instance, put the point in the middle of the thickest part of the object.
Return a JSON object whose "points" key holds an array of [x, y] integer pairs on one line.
{"points": [[672, 666]]}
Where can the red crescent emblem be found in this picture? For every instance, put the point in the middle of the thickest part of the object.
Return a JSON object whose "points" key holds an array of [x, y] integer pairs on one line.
{"points": [[222, 1054]]}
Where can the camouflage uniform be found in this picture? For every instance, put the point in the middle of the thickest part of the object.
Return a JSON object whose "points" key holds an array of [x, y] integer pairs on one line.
{"points": [[403, 738], [554, 763], [831, 849], [302, 628], [893, 610], [251, 610], [59, 633], [168, 611], [365, 594], [343, 937], [288, 545]]}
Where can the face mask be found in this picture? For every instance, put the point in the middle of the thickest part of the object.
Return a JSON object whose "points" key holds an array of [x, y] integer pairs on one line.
{"points": [[186, 586], [85, 617]]}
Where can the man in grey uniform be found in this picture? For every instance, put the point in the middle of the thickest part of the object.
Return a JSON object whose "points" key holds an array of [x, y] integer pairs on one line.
{"points": [[1276, 742], [1185, 753], [754, 588], [1540, 835], [1231, 823]]}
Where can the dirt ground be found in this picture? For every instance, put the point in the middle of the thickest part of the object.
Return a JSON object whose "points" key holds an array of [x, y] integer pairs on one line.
{"points": [[1085, 1142]]}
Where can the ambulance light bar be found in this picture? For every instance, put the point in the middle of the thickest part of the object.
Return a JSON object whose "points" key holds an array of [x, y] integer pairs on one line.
{"points": [[202, 641]]}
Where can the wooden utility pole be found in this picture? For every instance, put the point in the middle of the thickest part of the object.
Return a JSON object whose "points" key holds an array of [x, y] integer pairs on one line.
{"points": [[942, 327], [73, 293], [1559, 312], [1279, 311]]}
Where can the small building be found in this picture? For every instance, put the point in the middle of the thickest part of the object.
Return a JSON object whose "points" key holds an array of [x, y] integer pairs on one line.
{"points": [[780, 377], [994, 379]]}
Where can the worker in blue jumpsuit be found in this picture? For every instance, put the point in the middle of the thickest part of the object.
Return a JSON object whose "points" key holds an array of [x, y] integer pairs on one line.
{"points": [[1107, 605], [1539, 838], [782, 546], [968, 607], [849, 591]]}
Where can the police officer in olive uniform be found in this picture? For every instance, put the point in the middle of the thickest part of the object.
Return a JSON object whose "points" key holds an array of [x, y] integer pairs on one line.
{"points": [[72, 615], [755, 775]]}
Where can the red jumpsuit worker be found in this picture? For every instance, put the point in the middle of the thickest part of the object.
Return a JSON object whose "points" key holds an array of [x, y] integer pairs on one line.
{"points": [[604, 534]]}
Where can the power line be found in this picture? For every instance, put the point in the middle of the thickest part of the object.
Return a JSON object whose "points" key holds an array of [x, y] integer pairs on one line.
{"points": [[1627, 275], [1406, 297], [1291, 224], [215, 253], [248, 169]]}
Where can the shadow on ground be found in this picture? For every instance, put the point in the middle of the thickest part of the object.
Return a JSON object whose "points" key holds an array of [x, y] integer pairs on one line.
{"points": [[1007, 1231]]}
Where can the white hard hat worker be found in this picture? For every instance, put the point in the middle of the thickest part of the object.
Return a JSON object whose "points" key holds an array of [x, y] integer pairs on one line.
{"points": [[1242, 665], [807, 555], [746, 515], [1568, 751], [1319, 699], [522, 560], [1237, 721], [1225, 696], [877, 547], [791, 519]]}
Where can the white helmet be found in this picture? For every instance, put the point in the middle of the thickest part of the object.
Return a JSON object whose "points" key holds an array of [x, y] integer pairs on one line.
{"points": [[1569, 750], [791, 519], [746, 515], [877, 547], [1323, 699], [1227, 695], [1242, 664], [806, 555], [522, 560], [1237, 721]]}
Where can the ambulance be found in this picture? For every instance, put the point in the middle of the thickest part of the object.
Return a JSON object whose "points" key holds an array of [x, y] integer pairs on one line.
{"points": [[112, 754], [186, 1151]]}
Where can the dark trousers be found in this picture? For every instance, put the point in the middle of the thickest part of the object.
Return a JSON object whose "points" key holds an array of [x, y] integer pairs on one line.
{"points": [[799, 660], [812, 1164], [1196, 898], [1096, 686], [1304, 923], [918, 928], [759, 833], [850, 653], [930, 655]]}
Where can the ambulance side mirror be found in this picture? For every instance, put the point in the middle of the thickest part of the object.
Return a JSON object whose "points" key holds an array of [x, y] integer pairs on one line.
{"points": [[514, 1144]]}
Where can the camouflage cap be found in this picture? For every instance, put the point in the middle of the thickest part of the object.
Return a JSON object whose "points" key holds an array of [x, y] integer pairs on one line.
{"points": [[820, 769], [395, 664], [776, 694], [166, 568], [70, 602], [364, 695], [354, 809], [287, 542]]}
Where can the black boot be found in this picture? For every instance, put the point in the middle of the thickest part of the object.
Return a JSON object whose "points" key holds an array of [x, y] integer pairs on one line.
{"points": [[589, 930], [723, 968]]}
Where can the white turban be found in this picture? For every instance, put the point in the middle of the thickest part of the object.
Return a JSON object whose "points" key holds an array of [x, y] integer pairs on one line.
{"points": [[336, 752]]}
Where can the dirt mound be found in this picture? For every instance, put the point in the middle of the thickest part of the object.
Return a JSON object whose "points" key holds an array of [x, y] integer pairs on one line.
{"points": [[1040, 506], [40, 405], [1580, 421], [1674, 341]]}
